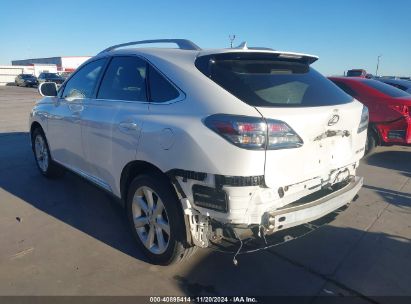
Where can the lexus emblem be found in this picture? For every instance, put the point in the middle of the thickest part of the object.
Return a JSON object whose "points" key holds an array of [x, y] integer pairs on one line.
{"points": [[334, 119]]}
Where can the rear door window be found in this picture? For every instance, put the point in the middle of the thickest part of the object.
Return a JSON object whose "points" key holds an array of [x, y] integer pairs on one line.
{"points": [[264, 80], [125, 79]]}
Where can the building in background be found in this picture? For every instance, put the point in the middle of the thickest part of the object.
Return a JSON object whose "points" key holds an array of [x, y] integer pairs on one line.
{"points": [[63, 63], [36, 66], [8, 73]]}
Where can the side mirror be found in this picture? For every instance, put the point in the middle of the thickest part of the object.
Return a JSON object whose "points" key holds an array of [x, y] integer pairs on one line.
{"points": [[48, 89]]}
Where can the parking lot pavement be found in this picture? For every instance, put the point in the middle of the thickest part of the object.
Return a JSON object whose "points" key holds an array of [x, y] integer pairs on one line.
{"points": [[65, 237]]}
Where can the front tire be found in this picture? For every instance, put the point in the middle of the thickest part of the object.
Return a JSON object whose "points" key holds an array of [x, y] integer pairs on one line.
{"points": [[156, 220], [42, 155]]}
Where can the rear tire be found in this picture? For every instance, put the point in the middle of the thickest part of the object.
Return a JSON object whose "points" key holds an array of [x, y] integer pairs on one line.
{"points": [[156, 220], [42, 156], [371, 142]]}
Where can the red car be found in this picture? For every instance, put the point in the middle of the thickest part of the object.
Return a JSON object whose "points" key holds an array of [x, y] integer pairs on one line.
{"points": [[389, 109]]}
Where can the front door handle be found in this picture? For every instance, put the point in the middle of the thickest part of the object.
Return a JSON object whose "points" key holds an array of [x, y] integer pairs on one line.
{"points": [[128, 126]]}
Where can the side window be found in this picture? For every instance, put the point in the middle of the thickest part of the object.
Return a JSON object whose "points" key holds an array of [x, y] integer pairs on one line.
{"points": [[161, 90], [82, 84], [125, 79]]}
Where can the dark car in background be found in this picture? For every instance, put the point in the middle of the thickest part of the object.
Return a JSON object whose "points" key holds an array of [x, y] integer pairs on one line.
{"points": [[65, 75], [389, 109], [401, 84], [50, 77], [26, 80]]}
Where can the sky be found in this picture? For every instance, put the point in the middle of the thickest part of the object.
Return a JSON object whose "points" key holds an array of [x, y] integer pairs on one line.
{"points": [[345, 34]]}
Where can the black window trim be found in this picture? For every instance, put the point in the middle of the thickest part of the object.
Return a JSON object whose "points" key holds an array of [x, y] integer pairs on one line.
{"points": [[179, 98]]}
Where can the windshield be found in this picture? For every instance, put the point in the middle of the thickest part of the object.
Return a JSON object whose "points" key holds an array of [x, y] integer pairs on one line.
{"points": [[386, 88], [25, 76], [267, 81]]}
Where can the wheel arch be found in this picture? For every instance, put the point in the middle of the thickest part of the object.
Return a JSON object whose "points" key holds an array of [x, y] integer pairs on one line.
{"points": [[135, 168], [34, 125]]}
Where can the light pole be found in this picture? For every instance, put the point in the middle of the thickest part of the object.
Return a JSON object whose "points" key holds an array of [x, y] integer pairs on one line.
{"points": [[378, 64], [231, 37]]}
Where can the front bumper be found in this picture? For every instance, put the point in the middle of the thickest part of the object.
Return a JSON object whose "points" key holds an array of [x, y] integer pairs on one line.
{"points": [[304, 211]]}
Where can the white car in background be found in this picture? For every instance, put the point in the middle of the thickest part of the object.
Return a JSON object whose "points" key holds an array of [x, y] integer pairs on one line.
{"points": [[201, 145]]}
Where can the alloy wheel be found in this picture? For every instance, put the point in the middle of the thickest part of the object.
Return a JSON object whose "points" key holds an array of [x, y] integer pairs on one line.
{"points": [[41, 152], [151, 220]]}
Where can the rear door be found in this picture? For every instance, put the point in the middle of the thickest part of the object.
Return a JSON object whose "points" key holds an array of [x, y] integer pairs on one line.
{"points": [[112, 121]]}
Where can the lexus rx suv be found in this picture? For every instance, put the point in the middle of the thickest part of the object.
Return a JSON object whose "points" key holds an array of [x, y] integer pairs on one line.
{"points": [[204, 145]]}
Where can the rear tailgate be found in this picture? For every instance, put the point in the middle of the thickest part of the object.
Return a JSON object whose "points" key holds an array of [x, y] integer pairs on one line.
{"points": [[285, 89], [330, 141]]}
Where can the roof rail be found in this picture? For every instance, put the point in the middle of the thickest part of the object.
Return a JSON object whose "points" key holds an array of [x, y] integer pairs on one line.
{"points": [[183, 44]]}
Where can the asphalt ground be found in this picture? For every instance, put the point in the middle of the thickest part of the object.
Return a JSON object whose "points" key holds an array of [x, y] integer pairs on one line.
{"points": [[66, 237]]}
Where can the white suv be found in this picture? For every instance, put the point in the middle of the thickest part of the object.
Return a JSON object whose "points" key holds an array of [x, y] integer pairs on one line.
{"points": [[201, 145]]}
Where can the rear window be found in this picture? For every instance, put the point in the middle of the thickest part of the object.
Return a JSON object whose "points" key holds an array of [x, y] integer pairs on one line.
{"points": [[385, 88], [345, 88], [264, 80]]}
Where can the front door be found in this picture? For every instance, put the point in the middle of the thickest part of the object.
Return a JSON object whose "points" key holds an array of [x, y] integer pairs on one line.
{"points": [[65, 120]]}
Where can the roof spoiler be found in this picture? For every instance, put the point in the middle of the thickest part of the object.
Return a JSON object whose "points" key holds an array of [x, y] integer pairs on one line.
{"points": [[286, 55], [297, 56], [182, 44]]}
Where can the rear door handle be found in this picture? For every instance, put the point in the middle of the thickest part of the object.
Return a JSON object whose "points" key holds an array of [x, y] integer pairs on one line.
{"points": [[128, 126]]}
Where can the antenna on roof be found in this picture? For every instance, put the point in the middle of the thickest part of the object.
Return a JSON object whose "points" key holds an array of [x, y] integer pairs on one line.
{"points": [[232, 38]]}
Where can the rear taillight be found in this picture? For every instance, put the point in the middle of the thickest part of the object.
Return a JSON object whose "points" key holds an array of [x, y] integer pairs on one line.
{"points": [[254, 133], [364, 120], [404, 110]]}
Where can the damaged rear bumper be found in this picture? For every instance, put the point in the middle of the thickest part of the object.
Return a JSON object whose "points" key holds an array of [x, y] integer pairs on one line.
{"points": [[305, 210]]}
